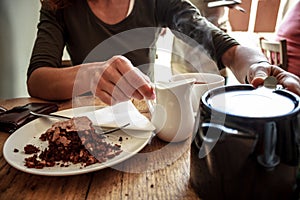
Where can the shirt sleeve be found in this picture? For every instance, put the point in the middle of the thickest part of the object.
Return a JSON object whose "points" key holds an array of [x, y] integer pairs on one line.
{"points": [[186, 23], [49, 43]]}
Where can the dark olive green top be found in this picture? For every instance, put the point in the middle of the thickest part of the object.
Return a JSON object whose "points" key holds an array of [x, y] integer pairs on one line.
{"points": [[88, 39]]}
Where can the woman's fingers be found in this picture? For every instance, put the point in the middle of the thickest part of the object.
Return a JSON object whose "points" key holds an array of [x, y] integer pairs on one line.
{"points": [[140, 84], [132, 81], [119, 81]]}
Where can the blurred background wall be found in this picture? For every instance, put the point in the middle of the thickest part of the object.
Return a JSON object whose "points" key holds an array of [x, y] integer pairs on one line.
{"points": [[18, 22]]}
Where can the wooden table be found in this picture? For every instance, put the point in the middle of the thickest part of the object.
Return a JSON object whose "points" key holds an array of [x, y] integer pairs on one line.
{"points": [[162, 174]]}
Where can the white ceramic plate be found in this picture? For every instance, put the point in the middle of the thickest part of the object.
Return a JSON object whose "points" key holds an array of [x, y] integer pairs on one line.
{"points": [[132, 142]]}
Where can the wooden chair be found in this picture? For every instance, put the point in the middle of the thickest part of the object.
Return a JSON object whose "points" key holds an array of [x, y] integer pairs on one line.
{"points": [[275, 51]]}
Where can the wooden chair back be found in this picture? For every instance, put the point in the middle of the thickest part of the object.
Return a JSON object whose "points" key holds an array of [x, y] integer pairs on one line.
{"points": [[275, 51]]}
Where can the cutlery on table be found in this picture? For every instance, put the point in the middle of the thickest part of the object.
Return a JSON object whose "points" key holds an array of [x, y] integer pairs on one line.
{"points": [[97, 128]]}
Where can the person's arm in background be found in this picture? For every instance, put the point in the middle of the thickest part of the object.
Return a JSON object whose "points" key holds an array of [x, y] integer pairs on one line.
{"points": [[289, 29], [250, 64], [226, 51]]}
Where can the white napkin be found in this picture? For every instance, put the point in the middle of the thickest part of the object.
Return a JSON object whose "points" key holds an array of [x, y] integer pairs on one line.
{"points": [[118, 115]]}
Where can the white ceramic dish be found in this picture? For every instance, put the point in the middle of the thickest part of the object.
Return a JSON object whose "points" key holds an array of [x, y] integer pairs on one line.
{"points": [[132, 142]]}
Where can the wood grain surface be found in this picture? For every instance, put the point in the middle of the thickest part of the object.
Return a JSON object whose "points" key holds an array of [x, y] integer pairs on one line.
{"points": [[160, 171]]}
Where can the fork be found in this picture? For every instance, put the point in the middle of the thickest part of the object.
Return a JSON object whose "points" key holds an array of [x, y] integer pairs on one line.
{"points": [[96, 127]]}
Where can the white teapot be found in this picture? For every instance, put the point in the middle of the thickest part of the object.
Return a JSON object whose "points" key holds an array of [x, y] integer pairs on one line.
{"points": [[172, 112]]}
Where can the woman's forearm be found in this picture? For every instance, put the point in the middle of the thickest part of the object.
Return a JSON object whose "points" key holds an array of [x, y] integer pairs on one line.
{"points": [[56, 83], [113, 81]]}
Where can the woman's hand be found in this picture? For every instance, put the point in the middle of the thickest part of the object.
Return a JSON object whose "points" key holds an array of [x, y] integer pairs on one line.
{"points": [[117, 80], [258, 72]]}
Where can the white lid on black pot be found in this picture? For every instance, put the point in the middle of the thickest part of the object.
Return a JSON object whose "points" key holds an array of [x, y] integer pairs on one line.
{"points": [[261, 102]]}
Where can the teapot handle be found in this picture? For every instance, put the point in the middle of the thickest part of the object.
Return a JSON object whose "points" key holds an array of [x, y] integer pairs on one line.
{"points": [[268, 158]]}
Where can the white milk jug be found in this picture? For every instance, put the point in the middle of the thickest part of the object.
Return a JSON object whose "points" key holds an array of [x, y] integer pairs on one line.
{"points": [[172, 113]]}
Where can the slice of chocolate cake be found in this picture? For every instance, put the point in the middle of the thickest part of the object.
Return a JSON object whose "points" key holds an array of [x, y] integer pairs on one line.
{"points": [[73, 141]]}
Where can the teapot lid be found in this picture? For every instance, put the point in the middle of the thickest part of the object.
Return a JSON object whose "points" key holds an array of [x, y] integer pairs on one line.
{"points": [[247, 101]]}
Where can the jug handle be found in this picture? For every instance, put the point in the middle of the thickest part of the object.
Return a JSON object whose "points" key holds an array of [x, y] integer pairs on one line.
{"points": [[150, 104]]}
